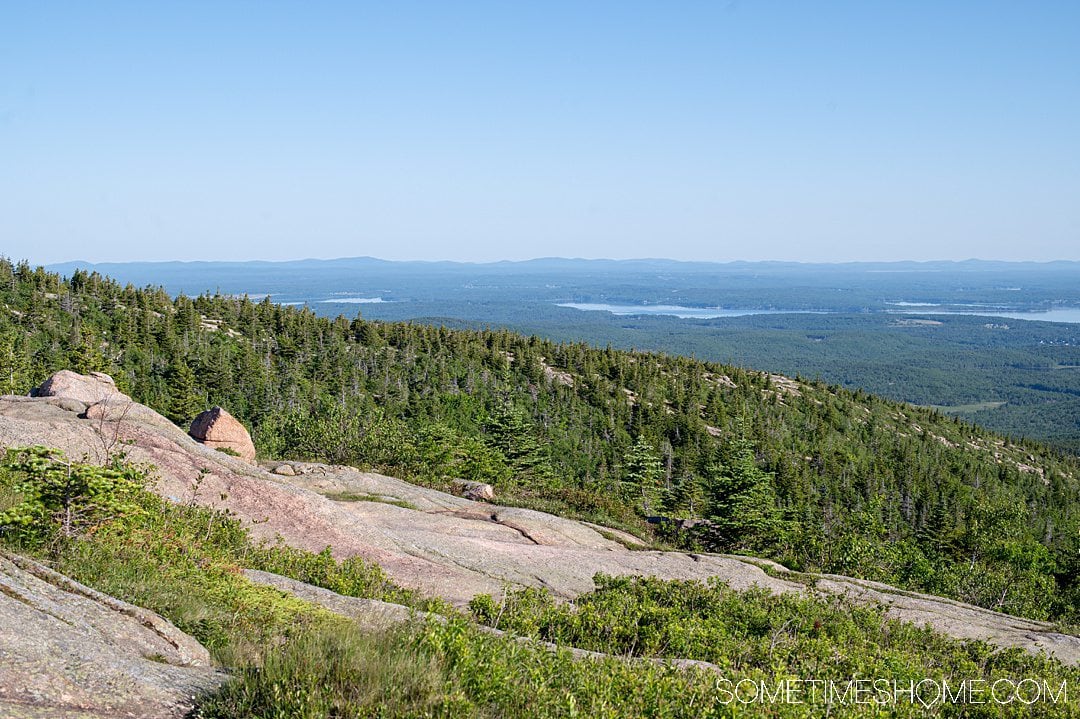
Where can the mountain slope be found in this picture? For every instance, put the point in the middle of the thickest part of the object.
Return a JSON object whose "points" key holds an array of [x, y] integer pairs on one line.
{"points": [[844, 482], [448, 546]]}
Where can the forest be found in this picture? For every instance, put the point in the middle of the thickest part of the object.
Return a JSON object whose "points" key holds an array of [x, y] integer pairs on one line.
{"points": [[927, 333], [817, 477]]}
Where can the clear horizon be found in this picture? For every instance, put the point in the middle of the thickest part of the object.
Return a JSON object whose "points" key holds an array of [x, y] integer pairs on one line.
{"points": [[542, 258], [480, 132]]}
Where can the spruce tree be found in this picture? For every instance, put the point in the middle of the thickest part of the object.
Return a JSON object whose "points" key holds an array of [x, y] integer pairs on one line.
{"points": [[185, 401], [641, 476], [510, 432], [686, 497], [742, 502], [14, 364], [84, 355]]}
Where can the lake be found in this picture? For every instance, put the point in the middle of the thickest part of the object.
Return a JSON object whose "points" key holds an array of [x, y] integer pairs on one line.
{"points": [[699, 313], [1068, 315]]}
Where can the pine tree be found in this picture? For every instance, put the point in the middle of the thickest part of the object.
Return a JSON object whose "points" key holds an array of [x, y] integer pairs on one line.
{"points": [[742, 502], [14, 363], [642, 475], [185, 401], [686, 498], [510, 432]]}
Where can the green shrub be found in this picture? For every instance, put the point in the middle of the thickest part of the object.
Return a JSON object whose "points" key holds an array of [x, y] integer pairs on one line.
{"points": [[59, 496], [756, 633]]}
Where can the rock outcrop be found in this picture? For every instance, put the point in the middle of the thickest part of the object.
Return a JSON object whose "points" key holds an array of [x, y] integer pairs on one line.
{"points": [[69, 651], [218, 429], [451, 546], [95, 396], [86, 388]]}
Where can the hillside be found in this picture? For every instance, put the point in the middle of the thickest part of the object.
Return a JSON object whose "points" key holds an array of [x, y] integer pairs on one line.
{"points": [[305, 635], [812, 476], [429, 541]]}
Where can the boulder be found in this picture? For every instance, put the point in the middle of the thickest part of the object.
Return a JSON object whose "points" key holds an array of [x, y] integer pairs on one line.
{"points": [[86, 388], [476, 491], [218, 429], [285, 470]]}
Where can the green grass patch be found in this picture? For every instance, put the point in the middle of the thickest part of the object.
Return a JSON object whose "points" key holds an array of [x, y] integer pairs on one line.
{"points": [[337, 671], [365, 497], [352, 577]]}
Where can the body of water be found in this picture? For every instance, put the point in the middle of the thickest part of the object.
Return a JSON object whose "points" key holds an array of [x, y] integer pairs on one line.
{"points": [[698, 313], [354, 300], [1070, 315]]}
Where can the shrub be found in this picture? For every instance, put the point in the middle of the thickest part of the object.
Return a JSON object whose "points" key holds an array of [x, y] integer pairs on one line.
{"points": [[59, 496]]}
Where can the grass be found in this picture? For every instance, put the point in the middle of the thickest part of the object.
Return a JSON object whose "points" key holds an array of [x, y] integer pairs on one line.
{"points": [[335, 671], [290, 658], [352, 577], [365, 497], [172, 565]]}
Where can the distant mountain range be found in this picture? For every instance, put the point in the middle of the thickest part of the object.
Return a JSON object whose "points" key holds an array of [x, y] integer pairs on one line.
{"points": [[565, 264]]}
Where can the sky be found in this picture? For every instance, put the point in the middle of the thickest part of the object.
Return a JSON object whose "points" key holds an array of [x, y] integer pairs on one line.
{"points": [[478, 131]]}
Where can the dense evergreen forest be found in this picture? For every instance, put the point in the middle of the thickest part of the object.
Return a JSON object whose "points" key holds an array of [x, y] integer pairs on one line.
{"points": [[856, 325], [815, 476]]}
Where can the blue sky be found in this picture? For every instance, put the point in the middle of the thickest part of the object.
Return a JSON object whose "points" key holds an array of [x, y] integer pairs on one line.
{"points": [[480, 131]]}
